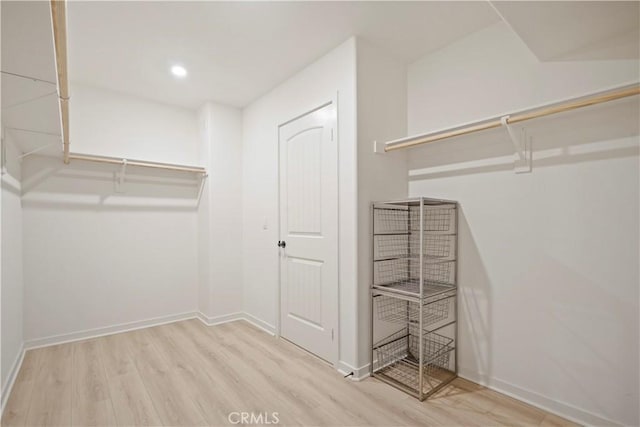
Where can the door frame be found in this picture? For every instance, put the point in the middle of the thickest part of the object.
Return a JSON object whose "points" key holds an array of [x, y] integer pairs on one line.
{"points": [[333, 100]]}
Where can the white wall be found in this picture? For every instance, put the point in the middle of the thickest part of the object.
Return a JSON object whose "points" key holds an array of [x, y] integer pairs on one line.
{"points": [[95, 256], [548, 260], [114, 124], [220, 212], [12, 284], [333, 74], [382, 116], [495, 74], [205, 234]]}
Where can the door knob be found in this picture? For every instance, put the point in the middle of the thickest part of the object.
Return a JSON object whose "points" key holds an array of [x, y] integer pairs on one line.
{"points": [[282, 244]]}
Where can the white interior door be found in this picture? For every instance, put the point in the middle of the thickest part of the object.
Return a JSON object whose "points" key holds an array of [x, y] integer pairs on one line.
{"points": [[309, 232]]}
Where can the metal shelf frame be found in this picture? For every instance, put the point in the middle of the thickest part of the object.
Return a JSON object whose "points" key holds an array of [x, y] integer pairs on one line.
{"points": [[415, 292]]}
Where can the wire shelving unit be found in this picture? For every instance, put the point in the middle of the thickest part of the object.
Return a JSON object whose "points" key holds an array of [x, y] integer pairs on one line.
{"points": [[414, 291]]}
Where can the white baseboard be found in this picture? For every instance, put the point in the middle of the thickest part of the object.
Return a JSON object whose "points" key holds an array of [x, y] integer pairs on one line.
{"points": [[240, 315], [219, 320], [125, 327], [561, 409], [358, 373], [258, 323], [108, 330], [11, 379]]}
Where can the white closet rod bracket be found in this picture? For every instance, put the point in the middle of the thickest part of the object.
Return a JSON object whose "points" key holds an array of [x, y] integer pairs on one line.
{"points": [[203, 179], [522, 146], [378, 147], [121, 176], [3, 151]]}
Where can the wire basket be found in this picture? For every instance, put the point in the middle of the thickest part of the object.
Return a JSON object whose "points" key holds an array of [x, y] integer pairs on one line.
{"points": [[443, 273], [401, 218], [402, 244], [403, 275], [435, 247], [398, 360], [436, 219], [398, 310], [439, 247], [391, 219]]}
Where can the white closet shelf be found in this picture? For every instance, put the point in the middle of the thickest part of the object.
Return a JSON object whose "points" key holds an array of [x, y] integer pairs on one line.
{"points": [[59, 24], [140, 163], [516, 117]]}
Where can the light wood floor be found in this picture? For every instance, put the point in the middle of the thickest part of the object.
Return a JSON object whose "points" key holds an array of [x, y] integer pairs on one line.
{"points": [[188, 374]]}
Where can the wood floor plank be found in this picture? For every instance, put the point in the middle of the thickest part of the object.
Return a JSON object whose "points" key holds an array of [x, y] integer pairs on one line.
{"points": [[305, 392], [115, 355], [511, 412], [367, 402], [224, 378], [166, 390], [132, 404], [213, 404], [51, 397], [224, 359], [551, 420], [360, 403], [91, 401], [188, 374], [16, 411], [315, 378], [232, 389]]}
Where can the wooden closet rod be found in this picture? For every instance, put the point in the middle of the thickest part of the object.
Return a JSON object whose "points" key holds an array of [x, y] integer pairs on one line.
{"points": [[153, 165], [59, 18], [547, 110]]}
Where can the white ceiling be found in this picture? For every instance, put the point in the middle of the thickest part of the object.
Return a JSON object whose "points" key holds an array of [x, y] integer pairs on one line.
{"points": [[237, 51], [572, 31]]}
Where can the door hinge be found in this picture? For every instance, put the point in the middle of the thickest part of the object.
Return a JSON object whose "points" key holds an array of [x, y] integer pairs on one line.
{"points": [[331, 334]]}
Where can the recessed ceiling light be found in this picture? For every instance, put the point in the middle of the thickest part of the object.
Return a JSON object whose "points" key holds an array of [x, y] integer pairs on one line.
{"points": [[179, 71]]}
